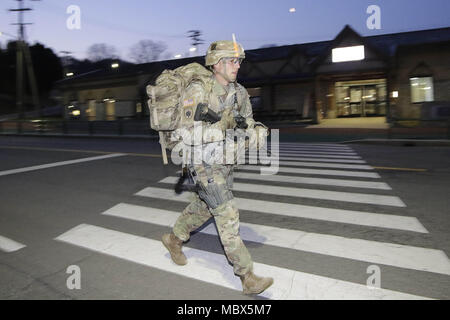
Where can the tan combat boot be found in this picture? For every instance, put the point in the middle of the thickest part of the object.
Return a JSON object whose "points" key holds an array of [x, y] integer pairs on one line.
{"points": [[252, 284], [173, 244]]}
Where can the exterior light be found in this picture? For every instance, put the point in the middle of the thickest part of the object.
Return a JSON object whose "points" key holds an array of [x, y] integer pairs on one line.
{"points": [[69, 74], [193, 49], [353, 53], [394, 94], [76, 112], [292, 10], [177, 56], [115, 65]]}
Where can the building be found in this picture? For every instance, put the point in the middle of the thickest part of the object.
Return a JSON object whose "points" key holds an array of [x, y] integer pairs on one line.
{"points": [[397, 76]]}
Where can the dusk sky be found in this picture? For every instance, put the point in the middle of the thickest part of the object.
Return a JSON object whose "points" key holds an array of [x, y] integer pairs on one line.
{"points": [[255, 23]]}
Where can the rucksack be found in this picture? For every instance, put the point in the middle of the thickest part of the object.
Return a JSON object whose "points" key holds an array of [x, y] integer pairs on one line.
{"points": [[165, 103]]}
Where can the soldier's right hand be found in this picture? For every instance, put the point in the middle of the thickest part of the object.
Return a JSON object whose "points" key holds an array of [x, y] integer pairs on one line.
{"points": [[227, 119]]}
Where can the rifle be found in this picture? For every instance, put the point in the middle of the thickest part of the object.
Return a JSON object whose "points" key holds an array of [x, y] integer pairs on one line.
{"points": [[180, 186], [203, 113]]}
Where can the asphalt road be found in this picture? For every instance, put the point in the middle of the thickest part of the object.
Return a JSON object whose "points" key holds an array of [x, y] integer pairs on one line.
{"points": [[39, 204]]}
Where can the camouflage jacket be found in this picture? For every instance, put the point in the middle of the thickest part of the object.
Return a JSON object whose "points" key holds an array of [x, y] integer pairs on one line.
{"points": [[218, 99]]}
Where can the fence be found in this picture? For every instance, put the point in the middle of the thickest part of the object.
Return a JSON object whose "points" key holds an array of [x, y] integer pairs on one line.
{"points": [[62, 127]]}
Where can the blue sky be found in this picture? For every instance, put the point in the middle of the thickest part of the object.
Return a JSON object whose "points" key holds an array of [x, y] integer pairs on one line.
{"points": [[123, 23]]}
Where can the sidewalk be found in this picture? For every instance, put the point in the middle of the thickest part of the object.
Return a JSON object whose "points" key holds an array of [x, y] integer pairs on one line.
{"points": [[366, 130]]}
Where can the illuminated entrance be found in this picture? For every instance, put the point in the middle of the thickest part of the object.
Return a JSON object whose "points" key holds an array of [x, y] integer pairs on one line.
{"points": [[362, 98]]}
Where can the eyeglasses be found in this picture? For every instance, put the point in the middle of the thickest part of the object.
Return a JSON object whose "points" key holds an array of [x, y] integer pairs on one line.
{"points": [[234, 61]]}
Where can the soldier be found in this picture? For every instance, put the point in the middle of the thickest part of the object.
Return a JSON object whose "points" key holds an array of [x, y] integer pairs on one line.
{"points": [[214, 198]]}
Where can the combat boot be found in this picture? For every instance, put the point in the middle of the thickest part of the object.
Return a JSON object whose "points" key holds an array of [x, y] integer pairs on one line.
{"points": [[173, 244], [252, 284]]}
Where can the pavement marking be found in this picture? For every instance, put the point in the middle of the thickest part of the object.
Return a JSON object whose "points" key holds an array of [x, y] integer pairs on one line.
{"points": [[307, 180], [300, 144], [301, 154], [8, 245], [281, 151], [397, 255], [320, 160], [322, 165], [281, 145], [214, 268], [360, 218], [312, 150], [318, 181], [58, 164], [401, 169], [311, 193], [345, 173]]}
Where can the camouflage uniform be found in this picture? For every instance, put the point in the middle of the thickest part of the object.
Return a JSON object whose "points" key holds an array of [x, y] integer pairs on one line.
{"points": [[221, 206]]}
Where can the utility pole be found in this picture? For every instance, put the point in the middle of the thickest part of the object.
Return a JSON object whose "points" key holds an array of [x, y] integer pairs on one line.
{"points": [[195, 36], [22, 51]]}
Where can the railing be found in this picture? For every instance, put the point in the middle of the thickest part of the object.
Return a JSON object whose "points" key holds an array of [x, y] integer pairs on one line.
{"points": [[88, 128], [400, 128]]}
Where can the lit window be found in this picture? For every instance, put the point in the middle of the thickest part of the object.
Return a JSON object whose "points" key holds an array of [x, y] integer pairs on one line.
{"points": [[421, 89], [353, 53]]}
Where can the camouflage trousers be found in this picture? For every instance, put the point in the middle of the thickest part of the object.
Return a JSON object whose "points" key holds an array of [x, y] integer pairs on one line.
{"points": [[226, 216]]}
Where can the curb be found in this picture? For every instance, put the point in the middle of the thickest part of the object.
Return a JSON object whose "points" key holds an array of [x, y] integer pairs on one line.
{"points": [[402, 142]]}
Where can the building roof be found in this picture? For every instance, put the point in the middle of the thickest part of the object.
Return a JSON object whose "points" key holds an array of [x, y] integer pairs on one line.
{"points": [[386, 44]]}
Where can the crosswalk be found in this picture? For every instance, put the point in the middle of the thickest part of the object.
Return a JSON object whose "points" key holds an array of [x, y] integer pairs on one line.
{"points": [[9, 245], [332, 192]]}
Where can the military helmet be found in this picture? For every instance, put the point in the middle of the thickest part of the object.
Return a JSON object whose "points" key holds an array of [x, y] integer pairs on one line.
{"points": [[223, 49]]}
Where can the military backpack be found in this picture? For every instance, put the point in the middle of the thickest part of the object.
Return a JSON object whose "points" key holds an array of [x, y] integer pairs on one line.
{"points": [[165, 99]]}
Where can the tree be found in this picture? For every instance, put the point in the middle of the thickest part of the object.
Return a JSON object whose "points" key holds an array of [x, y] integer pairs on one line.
{"points": [[101, 51], [47, 67], [147, 51]]}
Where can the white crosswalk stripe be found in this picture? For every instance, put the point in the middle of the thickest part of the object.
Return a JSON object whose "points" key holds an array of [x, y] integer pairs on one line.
{"points": [[317, 164], [361, 218], [288, 151], [332, 164], [321, 160], [371, 251], [290, 284], [329, 149], [317, 181], [346, 173], [9, 245], [306, 154], [311, 193]]}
